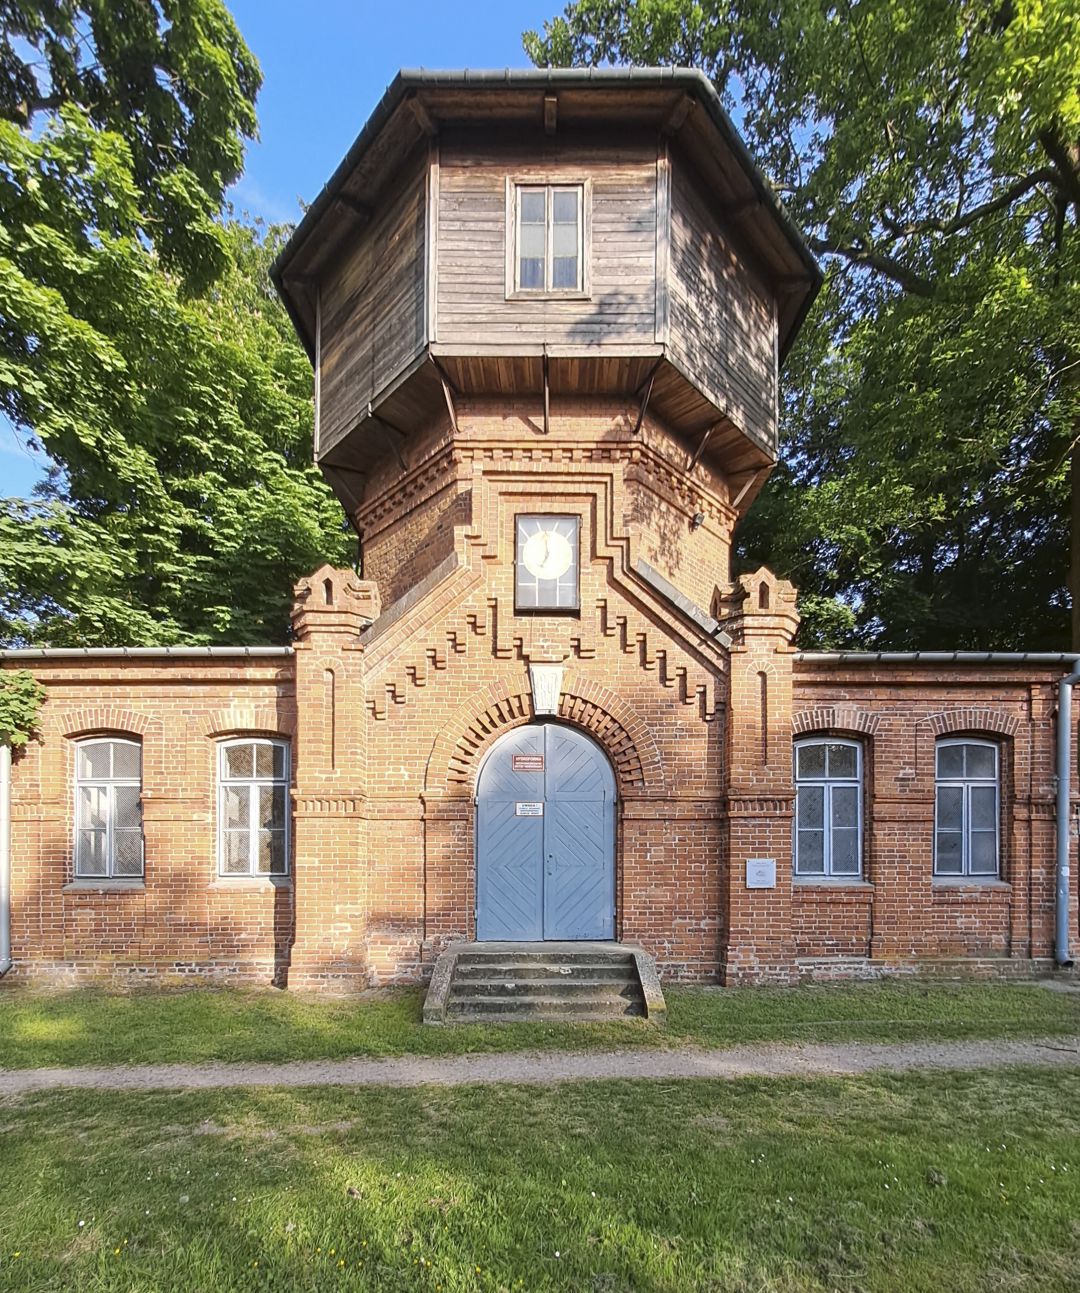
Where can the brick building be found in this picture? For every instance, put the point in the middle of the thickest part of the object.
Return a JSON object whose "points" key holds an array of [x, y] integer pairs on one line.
{"points": [[546, 313]]}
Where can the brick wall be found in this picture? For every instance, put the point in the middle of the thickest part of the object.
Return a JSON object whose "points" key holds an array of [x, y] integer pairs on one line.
{"points": [[390, 707]]}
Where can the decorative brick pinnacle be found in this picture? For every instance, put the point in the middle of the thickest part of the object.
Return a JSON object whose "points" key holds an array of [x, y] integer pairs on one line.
{"points": [[333, 601], [758, 606]]}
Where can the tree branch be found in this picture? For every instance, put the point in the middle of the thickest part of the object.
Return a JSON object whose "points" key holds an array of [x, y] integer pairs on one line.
{"points": [[871, 258], [1045, 175]]}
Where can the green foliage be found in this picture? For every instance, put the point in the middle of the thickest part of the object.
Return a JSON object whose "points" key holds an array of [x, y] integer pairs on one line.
{"points": [[171, 79], [182, 504], [932, 155], [21, 696]]}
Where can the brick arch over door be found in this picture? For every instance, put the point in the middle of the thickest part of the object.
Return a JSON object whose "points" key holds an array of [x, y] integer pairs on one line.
{"points": [[456, 754]]}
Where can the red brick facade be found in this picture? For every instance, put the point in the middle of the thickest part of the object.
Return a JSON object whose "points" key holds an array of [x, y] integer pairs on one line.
{"points": [[389, 710], [449, 401]]}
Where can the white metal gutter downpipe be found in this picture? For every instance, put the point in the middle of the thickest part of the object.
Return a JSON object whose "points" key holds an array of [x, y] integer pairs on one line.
{"points": [[5, 857], [1062, 955]]}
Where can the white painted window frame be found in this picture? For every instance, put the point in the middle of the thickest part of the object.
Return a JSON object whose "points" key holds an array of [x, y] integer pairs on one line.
{"points": [[856, 783], [110, 785], [253, 782], [966, 784], [550, 184]]}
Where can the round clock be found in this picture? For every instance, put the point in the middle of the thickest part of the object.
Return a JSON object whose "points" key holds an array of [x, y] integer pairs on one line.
{"points": [[547, 554]]}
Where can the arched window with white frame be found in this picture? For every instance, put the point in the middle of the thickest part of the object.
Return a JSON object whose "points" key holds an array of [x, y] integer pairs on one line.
{"points": [[967, 809], [108, 809], [828, 808], [253, 819]]}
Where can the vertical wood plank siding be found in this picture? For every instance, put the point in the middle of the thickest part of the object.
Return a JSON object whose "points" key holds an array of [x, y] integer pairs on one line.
{"points": [[723, 328], [373, 306], [472, 299]]}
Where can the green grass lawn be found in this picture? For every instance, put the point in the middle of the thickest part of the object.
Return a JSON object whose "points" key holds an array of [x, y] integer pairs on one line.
{"points": [[965, 1182], [85, 1026]]}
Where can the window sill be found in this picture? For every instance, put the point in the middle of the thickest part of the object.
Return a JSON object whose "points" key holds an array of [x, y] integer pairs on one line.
{"points": [[830, 882], [223, 883], [969, 882], [104, 885], [539, 294]]}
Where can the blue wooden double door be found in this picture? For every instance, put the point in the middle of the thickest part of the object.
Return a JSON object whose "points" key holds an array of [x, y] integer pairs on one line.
{"points": [[545, 837]]}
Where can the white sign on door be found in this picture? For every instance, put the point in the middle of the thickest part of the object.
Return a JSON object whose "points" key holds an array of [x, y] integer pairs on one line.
{"points": [[534, 808]]}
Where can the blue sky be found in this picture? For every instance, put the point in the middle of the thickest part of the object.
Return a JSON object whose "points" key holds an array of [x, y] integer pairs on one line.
{"points": [[325, 65]]}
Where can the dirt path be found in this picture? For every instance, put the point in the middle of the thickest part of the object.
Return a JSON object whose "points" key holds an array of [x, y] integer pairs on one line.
{"points": [[540, 1067]]}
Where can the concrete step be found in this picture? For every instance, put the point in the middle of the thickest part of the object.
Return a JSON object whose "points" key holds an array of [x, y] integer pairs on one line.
{"points": [[535, 956], [531, 969], [502, 982], [498, 1009], [575, 989]]}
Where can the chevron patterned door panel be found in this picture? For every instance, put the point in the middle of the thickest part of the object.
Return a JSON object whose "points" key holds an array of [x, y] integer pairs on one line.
{"points": [[545, 838]]}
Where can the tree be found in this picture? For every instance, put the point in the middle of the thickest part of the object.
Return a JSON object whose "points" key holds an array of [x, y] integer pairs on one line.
{"points": [[931, 153], [141, 343]]}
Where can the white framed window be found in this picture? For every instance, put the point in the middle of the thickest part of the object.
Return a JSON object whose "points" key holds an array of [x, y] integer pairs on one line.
{"points": [[828, 808], [548, 251], [967, 808], [253, 819], [108, 809]]}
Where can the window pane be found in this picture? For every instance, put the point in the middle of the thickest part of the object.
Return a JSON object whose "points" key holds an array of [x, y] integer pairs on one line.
{"points": [[565, 206], [811, 806], [845, 806], [126, 761], [271, 852], [811, 761], [93, 807], [981, 761], [532, 206], [272, 807], [949, 857], [811, 852], [128, 847], [983, 808], [235, 806], [90, 853], [127, 808], [950, 760], [532, 274], [564, 272], [94, 761], [843, 761], [564, 240], [239, 761], [279, 761], [237, 849], [264, 761], [532, 242], [984, 859], [950, 808], [845, 852]]}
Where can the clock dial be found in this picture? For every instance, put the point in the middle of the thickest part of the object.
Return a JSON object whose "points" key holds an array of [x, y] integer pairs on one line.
{"points": [[546, 563], [547, 554]]}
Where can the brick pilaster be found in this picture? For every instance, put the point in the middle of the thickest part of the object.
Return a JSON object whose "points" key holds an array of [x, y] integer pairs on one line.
{"points": [[331, 610], [759, 614]]}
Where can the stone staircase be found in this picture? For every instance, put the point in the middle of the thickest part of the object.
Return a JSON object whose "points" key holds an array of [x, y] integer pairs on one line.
{"points": [[516, 982]]}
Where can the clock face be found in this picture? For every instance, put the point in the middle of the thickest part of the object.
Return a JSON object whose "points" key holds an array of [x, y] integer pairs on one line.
{"points": [[547, 554], [546, 573]]}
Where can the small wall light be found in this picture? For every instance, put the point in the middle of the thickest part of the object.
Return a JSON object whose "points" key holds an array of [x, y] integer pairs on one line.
{"points": [[697, 519]]}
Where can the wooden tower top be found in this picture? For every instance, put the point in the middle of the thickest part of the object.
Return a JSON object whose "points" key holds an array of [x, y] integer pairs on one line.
{"points": [[544, 234]]}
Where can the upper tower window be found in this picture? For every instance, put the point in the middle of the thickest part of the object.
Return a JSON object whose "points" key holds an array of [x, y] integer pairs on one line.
{"points": [[548, 228]]}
